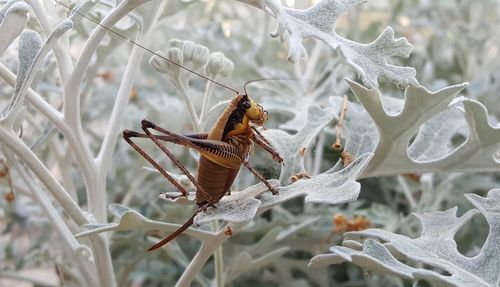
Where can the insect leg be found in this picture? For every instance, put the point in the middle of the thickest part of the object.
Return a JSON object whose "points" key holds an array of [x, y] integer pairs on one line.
{"points": [[181, 229], [259, 176], [257, 133], [127, 135], [146, 125], [261, 141]]}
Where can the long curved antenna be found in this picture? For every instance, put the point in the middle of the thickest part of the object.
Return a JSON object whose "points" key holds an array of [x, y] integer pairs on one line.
{"points": [[145, 48], [267, 79]]}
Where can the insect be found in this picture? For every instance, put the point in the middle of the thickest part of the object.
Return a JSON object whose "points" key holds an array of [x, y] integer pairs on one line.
{"points": [[224, 149]]}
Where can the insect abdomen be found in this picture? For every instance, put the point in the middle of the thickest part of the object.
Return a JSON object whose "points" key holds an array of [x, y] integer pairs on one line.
{"points": [[215, 179]]}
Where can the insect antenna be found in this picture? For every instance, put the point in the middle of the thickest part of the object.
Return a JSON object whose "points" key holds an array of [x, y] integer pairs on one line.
{"points": [[145, 48], [266, 79]]}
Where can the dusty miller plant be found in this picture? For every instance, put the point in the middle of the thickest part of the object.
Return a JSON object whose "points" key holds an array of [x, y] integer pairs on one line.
{"points": [[80, 205]]}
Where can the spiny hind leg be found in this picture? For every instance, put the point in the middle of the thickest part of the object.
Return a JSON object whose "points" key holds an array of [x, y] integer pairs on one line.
{"points": [[178, 139], [128, 135]]}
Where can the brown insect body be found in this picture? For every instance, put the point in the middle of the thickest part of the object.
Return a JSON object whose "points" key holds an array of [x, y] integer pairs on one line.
{"points": [[223, 150], [213, 176]]}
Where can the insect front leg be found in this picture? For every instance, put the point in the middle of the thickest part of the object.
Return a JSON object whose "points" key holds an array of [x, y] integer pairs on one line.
{"points": [[261, 141], [128, 135]]}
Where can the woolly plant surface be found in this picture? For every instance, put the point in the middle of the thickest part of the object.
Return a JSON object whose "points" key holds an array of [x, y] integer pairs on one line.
{"points": [[382, 251]]}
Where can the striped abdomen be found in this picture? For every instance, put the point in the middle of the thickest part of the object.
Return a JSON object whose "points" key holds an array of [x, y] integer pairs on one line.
{"points": [[215, 179]]}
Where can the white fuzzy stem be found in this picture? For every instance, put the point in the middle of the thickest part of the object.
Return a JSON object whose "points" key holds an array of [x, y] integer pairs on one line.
{"points": [[72, 246], [318, 156], [17, 146], [407, 192], [72, 111], [189, 104], [219, 261], [109, 143], [207, 98], [206, 250], [63, 59]]}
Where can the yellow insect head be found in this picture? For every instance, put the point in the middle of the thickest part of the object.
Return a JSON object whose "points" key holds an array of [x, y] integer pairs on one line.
{"points": [[256, 112]]}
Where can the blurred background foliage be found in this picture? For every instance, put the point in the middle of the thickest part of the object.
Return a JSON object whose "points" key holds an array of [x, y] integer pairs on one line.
{"points": [[454, 41]]}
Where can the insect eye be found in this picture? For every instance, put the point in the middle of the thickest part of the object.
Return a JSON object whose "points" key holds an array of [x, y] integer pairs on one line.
{"points": [[245, 105]]}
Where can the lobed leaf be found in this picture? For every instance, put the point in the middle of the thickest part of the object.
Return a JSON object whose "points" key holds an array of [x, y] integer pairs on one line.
{"points": [[435, 247], [290, 146], [436, 118], [369, 60]]}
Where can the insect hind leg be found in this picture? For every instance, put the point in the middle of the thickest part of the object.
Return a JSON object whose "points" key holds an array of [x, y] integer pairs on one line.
{"points": [[146, 125], [128, 135]]}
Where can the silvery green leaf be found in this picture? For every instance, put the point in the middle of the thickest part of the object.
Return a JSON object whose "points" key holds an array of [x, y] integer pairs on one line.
{"points": [[420, 106], [237, 207], [435, 247], [289, 146], [31, 56], [369, 60], [129, 219], [30, 44], [434, 139], [13, 18], [330, 188]]}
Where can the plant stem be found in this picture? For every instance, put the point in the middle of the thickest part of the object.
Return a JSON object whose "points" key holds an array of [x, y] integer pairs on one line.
{"points": [[219, 260], [73, 247], [407, 192], [209, 88], [189, 104], [206, 250]]}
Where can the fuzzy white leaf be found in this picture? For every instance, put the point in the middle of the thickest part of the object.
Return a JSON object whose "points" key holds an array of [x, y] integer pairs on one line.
{"points": [[334, 188], [238, 207], [13, 18], [434, 139], [369, 60], [290, 146], [435, 247], [431, 149], [129, 219]]}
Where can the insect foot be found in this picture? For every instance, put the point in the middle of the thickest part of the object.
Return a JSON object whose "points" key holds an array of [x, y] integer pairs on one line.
{"points": [[273, 190], [279, 159]]}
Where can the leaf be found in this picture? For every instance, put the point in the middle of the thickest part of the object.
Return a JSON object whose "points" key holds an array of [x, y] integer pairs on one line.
{"points": [[334, 188], [434, 139], [13, 19], [369, 60], [432, 149], [129, 219], [30, 44], [290, 146], [435, 247], [238, 207]]}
